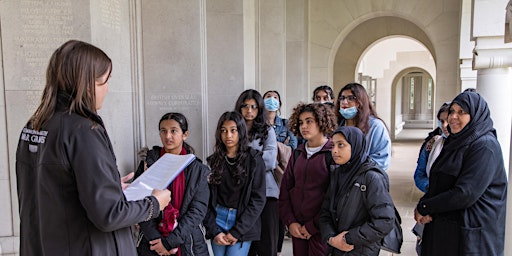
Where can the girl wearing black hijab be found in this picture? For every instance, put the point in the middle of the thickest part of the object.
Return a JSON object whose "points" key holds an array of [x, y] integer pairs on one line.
{"points": [[357, 211], [464, 207]]}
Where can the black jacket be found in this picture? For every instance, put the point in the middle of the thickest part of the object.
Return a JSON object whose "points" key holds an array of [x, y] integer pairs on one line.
{"points": [[252, 200], [467, 189], [365, 210], [188, 234], [69, 190], [466, 197]]}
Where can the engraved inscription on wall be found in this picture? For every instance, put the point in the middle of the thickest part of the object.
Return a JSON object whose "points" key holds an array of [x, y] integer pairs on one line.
{"points": [[174, 102], [111, 14], [45, 25]]}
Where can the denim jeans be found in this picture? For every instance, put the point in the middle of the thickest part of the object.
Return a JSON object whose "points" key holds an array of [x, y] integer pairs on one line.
{"points": [[226, 218]]}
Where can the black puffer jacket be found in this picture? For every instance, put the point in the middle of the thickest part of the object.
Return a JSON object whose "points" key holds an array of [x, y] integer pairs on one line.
{"points": [[189, 233], [365, 210]]}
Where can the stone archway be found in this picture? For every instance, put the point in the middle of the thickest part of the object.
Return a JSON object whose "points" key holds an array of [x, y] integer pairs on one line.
{"points": [[363, 35], [353, 44], [396, 97]]}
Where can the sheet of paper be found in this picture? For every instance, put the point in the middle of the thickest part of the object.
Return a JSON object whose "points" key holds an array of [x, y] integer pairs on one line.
{"points": [[158, 176]]}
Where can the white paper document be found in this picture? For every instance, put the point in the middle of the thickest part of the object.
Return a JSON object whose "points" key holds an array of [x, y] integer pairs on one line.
{"points": [[158, 176]]}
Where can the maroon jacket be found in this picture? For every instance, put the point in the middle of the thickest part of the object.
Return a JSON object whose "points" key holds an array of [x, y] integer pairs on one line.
{"points": [[303, 188]]}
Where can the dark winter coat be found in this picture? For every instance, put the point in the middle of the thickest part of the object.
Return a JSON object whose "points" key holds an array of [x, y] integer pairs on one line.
{"points": [[252, 200], [357, 201], [303, 188], [468, 189], [69, 189], [188, 235]]}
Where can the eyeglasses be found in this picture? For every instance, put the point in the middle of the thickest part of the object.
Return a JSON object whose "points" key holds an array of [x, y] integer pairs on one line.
{"points": [[350, 98], [248, 106]]}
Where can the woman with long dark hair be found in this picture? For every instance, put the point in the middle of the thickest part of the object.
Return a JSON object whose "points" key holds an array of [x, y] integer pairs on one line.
{"points": [[237, 189], [262, 137], [354, 108]]}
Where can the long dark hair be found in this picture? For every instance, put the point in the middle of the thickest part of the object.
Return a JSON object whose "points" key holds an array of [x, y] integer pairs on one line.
{"points": [[73, 69], [365, 108], [182, 121], [216, 161], [323, 114], [259, 128]]}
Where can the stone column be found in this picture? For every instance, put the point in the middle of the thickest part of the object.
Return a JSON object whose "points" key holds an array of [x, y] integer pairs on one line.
{"points": [[492, 59]]}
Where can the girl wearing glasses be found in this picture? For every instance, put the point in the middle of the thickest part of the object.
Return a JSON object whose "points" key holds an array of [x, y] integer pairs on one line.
{"points": [[262, 137], [237, 189], [355, 109]]}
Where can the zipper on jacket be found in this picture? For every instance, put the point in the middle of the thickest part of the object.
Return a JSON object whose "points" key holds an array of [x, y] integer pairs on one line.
{"points": [[303, 184], [191, 245]]}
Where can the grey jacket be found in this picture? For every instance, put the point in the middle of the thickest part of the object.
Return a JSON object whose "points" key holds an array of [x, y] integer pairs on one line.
{"points": [[269, 150]]}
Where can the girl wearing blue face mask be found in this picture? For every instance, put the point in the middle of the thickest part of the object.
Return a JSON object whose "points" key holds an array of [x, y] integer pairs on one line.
{"points": [[273, 105], [355, 109]]}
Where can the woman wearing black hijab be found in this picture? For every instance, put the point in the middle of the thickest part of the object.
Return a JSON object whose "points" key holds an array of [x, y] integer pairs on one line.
{"points": [[357, 211], [464, 207]]}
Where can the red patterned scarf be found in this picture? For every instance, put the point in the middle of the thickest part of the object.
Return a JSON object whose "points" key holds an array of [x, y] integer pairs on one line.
{"points": [[171, 211]]}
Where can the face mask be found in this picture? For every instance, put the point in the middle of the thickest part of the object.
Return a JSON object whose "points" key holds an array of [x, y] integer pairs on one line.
{"points": [[271, 104], [440, 125], [348, 113]]}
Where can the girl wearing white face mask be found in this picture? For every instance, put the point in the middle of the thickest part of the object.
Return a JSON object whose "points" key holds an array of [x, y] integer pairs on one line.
{"points": [[355, 109]]}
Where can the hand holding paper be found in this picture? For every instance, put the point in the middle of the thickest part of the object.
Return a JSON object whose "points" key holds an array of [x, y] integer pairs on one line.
{"points": [[163, 196], [158, 176]]}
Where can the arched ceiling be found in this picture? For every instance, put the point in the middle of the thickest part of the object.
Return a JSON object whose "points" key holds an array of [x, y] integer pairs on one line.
{"points": [[353, 45]]}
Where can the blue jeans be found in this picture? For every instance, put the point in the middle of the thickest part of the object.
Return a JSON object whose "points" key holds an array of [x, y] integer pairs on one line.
{"points": [[226, 218]]}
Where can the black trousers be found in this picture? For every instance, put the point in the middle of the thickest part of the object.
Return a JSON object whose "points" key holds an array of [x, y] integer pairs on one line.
{"points": [[280, 238], [267, 245]]}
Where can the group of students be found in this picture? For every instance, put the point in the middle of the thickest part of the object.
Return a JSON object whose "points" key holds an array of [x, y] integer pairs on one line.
{"points": [[333, 197], [67, 175], [245, 210]]}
